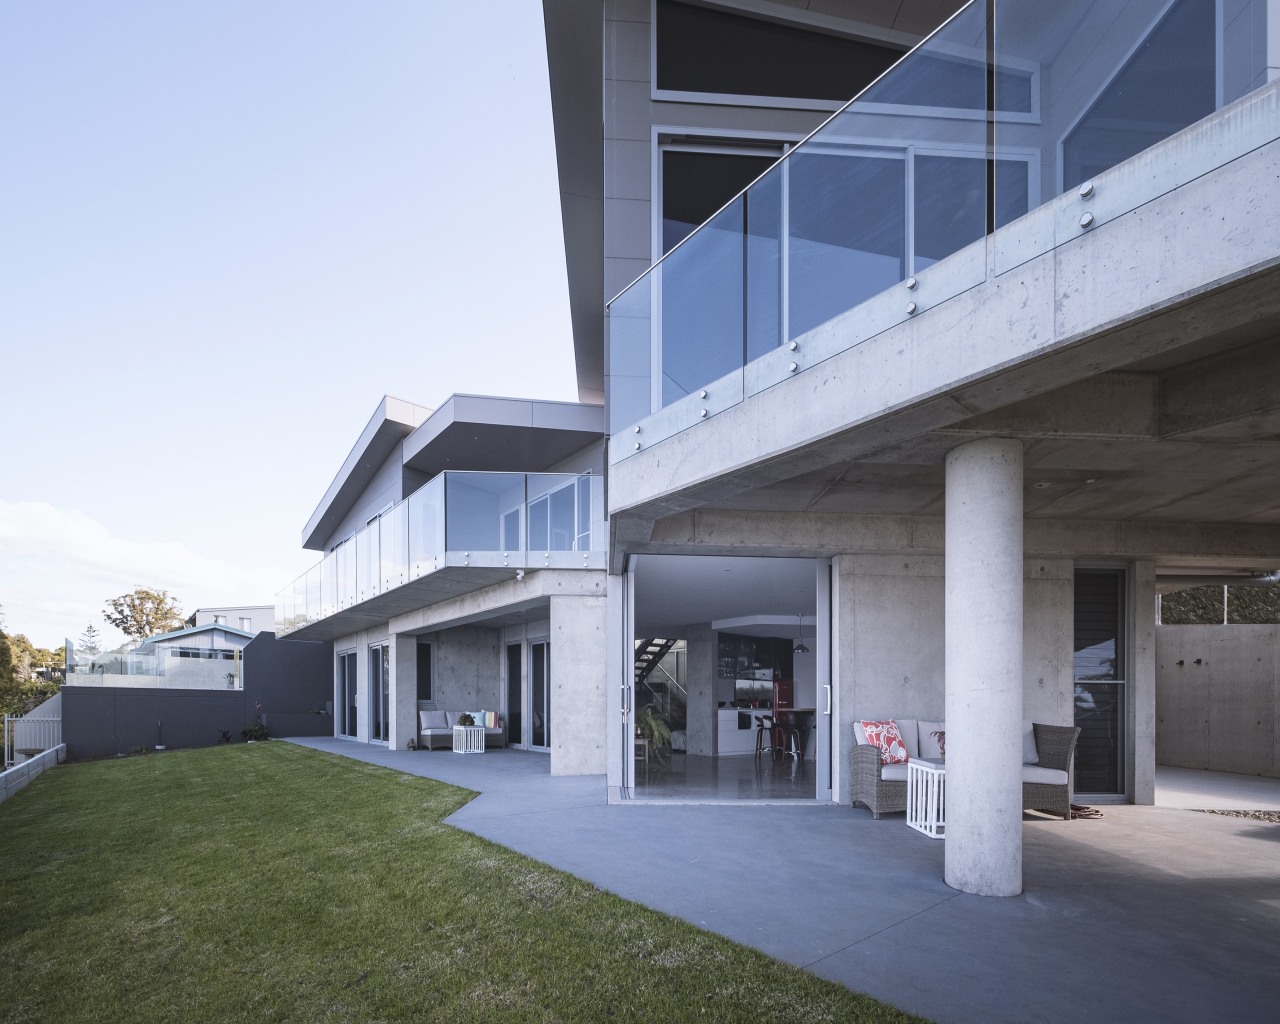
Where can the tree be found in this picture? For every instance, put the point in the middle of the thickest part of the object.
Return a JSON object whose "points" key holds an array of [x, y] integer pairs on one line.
{"points": [[90, 641], [143, 613]]}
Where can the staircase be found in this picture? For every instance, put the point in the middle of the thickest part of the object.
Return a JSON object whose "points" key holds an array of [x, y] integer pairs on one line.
{"points": [[655, 685]]}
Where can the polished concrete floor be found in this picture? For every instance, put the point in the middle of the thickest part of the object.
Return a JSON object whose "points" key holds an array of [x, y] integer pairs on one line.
{"points": [[1145, 914], [694, 777]]}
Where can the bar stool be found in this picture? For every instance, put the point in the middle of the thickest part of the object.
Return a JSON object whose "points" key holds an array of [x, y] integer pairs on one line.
{"points": [[788, 734], [764, 724]]}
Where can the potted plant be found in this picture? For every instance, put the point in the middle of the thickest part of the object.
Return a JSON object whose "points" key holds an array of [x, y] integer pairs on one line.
{"points": [[653, 727]]}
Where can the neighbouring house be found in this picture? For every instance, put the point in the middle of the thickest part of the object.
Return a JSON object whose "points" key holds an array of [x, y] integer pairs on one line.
{"points": [[906, 405], [252, 618]]}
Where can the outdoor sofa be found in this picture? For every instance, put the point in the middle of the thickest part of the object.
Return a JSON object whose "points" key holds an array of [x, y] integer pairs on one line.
{"points": [[1048, 753], [435, 728]]}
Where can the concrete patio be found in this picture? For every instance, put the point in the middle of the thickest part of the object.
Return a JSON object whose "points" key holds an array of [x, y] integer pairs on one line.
{"points": [[1148, 913]]}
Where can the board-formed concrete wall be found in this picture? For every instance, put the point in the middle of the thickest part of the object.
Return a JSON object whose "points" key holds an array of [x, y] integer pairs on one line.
{"points": [[889, 641], [1218, 698]]}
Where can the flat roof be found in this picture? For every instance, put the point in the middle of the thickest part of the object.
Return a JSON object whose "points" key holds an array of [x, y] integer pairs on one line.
{"points": [[506, 435], [392, 421]]}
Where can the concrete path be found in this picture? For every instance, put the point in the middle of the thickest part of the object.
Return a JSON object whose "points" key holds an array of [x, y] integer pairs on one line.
{"points": [[1148, 913]]}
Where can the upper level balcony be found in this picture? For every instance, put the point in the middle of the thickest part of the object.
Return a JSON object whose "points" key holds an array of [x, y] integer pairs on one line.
{"points": [[460, 532], [1018, 132]]}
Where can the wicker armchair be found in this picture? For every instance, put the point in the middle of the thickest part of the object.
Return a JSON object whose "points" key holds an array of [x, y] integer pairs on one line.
{"points": [[868, 787], [1056, 745]]}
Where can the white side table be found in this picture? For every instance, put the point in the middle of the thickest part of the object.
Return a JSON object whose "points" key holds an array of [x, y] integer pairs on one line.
{"points": [[926, 796], [468, 739]]}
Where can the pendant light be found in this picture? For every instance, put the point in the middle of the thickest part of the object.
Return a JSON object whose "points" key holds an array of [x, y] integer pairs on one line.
{"points": [[800, 647]]}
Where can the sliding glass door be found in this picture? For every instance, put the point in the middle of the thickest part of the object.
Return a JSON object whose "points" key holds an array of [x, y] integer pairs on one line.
{"points": [[346, 696], [379, 690]]}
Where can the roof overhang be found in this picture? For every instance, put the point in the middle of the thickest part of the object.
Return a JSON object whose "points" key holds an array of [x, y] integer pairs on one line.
{"points": [[574, 31], [504, 435], [393, 421]]}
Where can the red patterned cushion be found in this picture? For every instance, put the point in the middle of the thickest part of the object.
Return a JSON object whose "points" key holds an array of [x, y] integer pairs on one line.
{"points": [[885, 735]]}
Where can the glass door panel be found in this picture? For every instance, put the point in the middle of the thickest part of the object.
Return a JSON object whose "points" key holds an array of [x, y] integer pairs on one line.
{"points": [[540, 695], [347, 694], [515, 719], [1100, 660], [379, 690]]}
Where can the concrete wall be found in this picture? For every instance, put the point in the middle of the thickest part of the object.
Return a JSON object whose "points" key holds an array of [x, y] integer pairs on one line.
{"points": [[1217, 703], [578, 685], [20, 775], [889, 643], [467, 668]]}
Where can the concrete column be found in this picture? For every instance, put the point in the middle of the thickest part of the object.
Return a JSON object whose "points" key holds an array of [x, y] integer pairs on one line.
{"points": [[578, 675], [1142, 684], [403, 697], [984, 667]]}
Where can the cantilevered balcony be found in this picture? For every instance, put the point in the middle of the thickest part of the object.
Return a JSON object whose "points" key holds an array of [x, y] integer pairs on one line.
{"points": [[457, 534], [1019, 134]]}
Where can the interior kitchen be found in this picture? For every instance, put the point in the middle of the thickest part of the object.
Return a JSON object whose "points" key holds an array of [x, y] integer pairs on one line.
{"points": [[726, 678]]}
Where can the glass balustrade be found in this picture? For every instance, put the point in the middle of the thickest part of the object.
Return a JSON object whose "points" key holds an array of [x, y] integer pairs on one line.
{"points": [[978, 131], [514, 520]]}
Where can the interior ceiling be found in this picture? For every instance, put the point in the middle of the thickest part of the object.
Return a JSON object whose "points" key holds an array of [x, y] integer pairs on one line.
{"points": [[673, 592]]}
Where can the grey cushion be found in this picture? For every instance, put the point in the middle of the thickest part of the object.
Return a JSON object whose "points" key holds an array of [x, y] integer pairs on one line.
{"points": [[433, 720], [893, 772], [1044, 776]]}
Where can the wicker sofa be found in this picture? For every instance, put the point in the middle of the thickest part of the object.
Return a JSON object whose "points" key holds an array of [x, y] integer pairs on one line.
{"points": [[1048, 753], [435, 729]]}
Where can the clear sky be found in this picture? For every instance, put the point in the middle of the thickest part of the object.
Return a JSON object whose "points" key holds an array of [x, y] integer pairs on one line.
{"points": [[227, 229]]}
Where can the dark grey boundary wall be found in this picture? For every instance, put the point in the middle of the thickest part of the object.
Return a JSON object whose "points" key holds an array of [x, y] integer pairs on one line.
{"points": [[291, 679]]}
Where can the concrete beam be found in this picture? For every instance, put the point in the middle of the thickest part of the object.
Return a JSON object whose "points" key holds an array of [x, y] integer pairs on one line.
{"points": [[1234, 396], [824, 534], [513, 600]]}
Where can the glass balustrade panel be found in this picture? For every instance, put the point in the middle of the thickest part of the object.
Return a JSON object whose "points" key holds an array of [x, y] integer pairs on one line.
{"points": [[701, 290], [426, 527], [630, 366], [393, 546], [368, 577], [553, 512], [328, 585], [476, 505], [314, 613], [1113, 80]]}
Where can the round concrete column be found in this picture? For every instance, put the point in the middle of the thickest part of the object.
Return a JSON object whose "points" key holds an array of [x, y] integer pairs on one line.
{"points": [[984, 668]]}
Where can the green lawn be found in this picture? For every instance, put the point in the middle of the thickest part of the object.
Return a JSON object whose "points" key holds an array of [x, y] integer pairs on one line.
{"points": [[269, 882]]}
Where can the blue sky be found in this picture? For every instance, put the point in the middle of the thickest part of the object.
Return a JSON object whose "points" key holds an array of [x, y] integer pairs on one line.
{"points": [[226, 230]]}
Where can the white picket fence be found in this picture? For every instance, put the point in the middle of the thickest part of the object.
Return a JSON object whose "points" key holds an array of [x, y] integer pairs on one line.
{"points": [[29, 735]]}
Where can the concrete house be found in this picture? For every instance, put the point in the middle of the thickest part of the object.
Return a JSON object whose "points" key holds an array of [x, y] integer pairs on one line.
{"points": [[906, 406], [913, 403], [463, 570]]}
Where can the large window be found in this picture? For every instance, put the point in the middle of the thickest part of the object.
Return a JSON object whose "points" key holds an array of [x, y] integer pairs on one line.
{"points": [[1100, 680], [696, 183], [699, 50]]}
